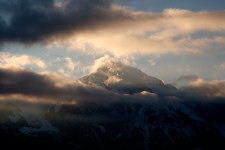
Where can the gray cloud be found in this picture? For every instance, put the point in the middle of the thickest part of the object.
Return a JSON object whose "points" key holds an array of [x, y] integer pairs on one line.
{"points": [[29, 21], [183, 78], [106, 26], [32, 84], [24, 82], [204, 90]]}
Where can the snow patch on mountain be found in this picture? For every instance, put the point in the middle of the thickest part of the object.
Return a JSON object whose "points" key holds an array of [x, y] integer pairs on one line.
{"points": [[115, 75]]}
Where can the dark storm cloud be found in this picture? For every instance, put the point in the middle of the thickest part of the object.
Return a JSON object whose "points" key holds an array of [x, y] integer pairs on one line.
{"points": [[30, 83], [24, 82], [28, 21]]}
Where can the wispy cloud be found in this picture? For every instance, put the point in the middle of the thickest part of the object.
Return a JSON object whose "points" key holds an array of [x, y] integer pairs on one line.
{"points": [[8, 60], [70, 64]]}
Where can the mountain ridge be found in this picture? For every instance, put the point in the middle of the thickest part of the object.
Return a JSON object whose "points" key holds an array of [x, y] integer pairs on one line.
{"points": [[117, 76]]}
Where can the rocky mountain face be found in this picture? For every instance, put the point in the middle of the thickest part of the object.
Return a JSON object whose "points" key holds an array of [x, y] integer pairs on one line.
{"points": [[118, 126]]}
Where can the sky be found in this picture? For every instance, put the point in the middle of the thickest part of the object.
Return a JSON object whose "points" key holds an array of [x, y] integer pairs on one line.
{"points": [[160, 5], [176, 41]]}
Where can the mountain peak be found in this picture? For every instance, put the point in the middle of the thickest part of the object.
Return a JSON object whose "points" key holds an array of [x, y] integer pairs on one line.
{"points": [[120, 77]]}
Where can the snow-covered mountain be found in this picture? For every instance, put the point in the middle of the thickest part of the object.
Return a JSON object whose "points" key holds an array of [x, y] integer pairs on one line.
{"points": [[119, 77], [112, 120]]}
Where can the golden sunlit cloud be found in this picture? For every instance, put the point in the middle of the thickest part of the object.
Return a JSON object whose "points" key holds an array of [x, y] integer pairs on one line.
{"points": [[8, 60], [213, 88], [153, 33]]}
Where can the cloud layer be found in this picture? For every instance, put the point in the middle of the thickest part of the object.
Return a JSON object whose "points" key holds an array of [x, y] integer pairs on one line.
{"points": [[30, 84], [29, 21], [108, 27], [157, 33]]}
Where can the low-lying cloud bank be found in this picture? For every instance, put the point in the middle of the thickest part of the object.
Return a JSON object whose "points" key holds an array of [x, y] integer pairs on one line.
{"points": [[29, 84]]}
